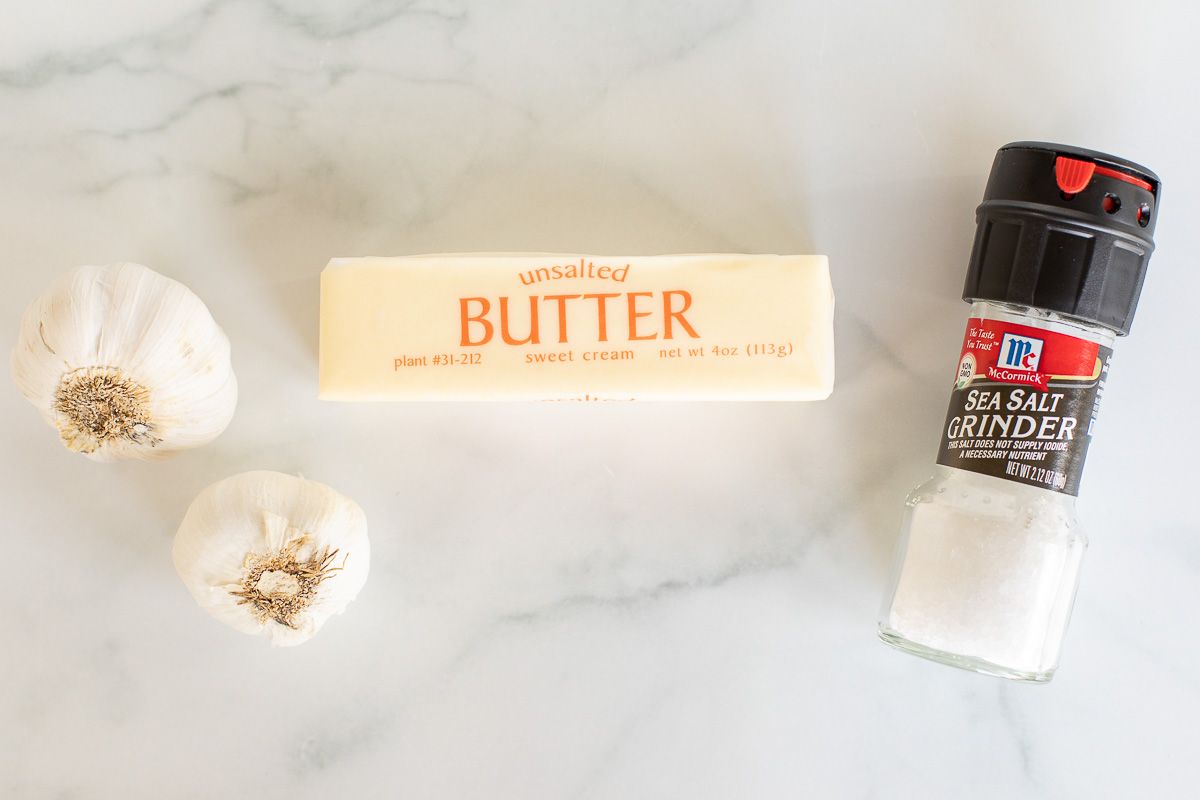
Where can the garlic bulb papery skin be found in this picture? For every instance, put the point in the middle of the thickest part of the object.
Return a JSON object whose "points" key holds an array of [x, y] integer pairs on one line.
{"points": [[125, 363], [273, 554]]}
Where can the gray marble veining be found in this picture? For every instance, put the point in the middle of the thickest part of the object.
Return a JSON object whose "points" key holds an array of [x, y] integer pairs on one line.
{"points": [[591, 602]]}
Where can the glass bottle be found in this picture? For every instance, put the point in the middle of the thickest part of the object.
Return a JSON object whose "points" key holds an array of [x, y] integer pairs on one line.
{"points": [[988, 559]]}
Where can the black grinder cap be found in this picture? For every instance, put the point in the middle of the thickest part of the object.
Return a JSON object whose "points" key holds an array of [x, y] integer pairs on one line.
{"points": [[1064, 229]]}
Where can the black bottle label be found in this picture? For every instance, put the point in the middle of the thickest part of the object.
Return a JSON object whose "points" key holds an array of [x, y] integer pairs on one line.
{"points": [[1024, 404]]}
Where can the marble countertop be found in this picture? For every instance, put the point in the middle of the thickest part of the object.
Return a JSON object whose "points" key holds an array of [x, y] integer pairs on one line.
{"points": [[567, 601]]}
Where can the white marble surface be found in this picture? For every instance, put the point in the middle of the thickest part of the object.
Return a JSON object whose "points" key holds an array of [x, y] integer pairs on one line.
{"points": [[618, 601]]}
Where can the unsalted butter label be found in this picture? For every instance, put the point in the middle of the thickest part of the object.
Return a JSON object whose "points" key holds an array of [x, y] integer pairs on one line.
{"points": [[577, 327]]}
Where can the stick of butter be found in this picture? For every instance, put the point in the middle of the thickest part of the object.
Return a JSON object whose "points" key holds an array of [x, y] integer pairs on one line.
{"points": [[577, 327]]}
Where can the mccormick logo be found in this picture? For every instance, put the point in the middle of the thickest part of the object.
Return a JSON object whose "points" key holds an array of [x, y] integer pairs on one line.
{"points": [[1020, 352], [1017, 361]]}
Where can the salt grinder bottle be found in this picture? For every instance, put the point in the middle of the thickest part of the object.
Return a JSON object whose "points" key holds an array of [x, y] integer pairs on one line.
{"points": [[989, 555]]}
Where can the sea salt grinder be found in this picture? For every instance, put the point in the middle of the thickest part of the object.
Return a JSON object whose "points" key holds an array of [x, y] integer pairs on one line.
{"points": [[988, 559]]}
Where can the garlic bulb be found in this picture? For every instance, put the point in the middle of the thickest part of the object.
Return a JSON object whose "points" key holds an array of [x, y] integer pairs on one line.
{"points": [[273, 554], [125, 363]]}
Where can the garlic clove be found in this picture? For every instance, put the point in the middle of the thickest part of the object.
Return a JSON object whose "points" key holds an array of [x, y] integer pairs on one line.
{"points": [[125, 363], [273, 554]]}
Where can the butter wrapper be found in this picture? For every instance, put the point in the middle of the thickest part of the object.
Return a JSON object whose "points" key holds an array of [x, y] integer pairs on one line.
{"points": [[576, 327]]}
